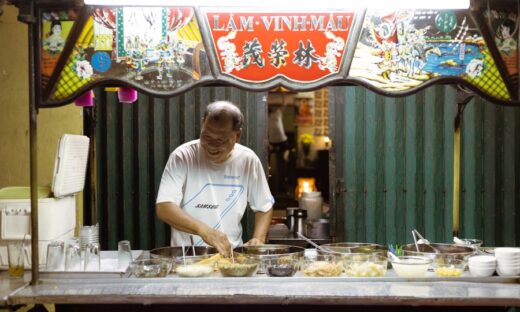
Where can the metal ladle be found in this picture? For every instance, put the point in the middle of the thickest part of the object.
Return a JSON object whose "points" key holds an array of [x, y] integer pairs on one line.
{"points": [[416, 234]]}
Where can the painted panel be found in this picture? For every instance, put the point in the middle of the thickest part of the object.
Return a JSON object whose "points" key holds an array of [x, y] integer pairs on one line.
{"points": [[151, 48], [259, 46], [400, 50]]}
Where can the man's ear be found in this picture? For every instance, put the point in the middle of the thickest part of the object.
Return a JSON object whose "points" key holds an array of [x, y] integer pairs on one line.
{"points": [[239, 133]]}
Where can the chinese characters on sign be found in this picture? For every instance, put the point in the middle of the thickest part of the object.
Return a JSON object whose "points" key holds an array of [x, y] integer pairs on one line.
{"points": [[302, 47]]}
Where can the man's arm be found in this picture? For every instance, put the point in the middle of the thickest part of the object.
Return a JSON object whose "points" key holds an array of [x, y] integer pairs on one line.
{"points": [[177, 218], [262, 223]]}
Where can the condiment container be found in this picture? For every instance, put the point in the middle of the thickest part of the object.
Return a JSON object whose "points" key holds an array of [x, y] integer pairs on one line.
{"points": [[367, 265], [312, 202], [280, 267], [449, 268]]}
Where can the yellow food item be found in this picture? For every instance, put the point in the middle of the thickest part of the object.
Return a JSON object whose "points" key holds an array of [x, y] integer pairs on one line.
{"points": [[448, 271], [323, 268], [211, 260]]}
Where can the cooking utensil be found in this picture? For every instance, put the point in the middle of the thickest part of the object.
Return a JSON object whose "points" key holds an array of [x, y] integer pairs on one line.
{"points": [[422, 240], [313, 243]]}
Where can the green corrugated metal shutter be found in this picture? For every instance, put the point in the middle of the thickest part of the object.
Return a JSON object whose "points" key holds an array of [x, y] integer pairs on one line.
{"points": [[132, 145], [394, 159]]}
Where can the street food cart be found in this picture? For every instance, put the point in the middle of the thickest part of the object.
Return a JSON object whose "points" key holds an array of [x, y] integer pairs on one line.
{"points": [[167, 50]]}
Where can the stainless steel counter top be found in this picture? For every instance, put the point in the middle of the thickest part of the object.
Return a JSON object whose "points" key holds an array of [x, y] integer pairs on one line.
{"points": [[94, 288]]}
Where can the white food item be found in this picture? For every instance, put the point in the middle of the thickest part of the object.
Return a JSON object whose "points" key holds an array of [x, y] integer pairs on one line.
{"points": [[194, 270], [366, 269], [410, 268]]}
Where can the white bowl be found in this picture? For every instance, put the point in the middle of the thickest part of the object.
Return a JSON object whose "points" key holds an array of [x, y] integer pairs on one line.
{"points": [[482, 260], [508, 271], [507, 252], [481, 272]]}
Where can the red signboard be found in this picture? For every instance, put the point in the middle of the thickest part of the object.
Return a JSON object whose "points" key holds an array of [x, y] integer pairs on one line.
{"points": [[258, 46]]}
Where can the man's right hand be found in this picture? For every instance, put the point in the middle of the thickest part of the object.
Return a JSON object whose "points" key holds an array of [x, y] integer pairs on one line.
{"points": [[217, 239]]}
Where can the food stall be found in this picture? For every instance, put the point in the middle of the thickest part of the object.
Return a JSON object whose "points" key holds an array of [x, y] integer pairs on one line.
{"points": [[167, 50]]}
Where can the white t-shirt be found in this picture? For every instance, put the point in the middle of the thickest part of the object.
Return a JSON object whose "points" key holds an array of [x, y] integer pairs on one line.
{"points": [[216, 194]]}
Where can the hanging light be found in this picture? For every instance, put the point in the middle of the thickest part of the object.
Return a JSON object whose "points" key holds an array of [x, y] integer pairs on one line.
{"points": [[86, 99], [127, 95], [328, 4]]}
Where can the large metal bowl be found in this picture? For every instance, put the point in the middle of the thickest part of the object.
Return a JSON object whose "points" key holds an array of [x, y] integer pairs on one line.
{"points": [[176, 252], [351, 253], [439, 253], [350, 248], [271, 252]]}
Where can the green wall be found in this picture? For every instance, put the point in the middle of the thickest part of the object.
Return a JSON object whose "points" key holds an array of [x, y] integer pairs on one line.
{"points": [[394, 167]]}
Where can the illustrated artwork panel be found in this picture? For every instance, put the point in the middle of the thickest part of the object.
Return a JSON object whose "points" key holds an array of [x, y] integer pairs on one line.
{"points": [[400, 50], [155, 48]]}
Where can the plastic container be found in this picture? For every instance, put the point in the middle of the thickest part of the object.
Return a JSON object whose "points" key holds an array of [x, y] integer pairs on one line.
{"points": [[322, 265], [449, 268], [410, 267], [368, 265], [311, 202]]}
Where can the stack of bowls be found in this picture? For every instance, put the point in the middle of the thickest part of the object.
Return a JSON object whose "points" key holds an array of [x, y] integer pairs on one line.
{"points": [[482, 266], [508, 261]]}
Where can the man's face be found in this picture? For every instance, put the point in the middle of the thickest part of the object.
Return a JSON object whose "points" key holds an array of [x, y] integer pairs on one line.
{"points": [[217, 138]]}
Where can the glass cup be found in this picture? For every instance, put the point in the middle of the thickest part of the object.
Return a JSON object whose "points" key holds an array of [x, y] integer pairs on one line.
{"points": [[55, 256], [124, 254], [92, 258], [73, 255], [15, 255]]}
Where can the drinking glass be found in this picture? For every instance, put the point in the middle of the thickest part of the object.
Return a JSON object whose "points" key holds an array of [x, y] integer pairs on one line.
{"points": [[73, 255], [124, 254], [15, 255], [55, 256], [92, 257]]}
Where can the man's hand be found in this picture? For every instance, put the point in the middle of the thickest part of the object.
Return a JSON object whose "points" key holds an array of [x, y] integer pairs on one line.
{"points": [[254, 242], [217, 239]]}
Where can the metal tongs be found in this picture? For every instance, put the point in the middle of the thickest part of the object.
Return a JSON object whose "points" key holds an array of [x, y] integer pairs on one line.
{"points": [[422, 240]]}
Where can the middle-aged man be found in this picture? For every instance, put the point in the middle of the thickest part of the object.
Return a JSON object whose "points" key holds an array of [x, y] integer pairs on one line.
{"points": [[207, 184]]}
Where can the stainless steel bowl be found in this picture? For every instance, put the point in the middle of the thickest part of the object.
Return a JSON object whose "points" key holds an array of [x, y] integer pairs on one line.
{"points": [[439, 253], [176, 252], [349, 248]]}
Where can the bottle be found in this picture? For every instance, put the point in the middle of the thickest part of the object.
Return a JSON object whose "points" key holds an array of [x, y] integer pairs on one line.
{"points": [[312, 202]]}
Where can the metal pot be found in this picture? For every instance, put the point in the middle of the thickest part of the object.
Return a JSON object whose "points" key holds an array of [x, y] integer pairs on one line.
{"points": [[317, 228]]}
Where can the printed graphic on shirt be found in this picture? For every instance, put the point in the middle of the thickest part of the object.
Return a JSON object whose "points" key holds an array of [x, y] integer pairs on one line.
{"points": [[214, 198]]}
